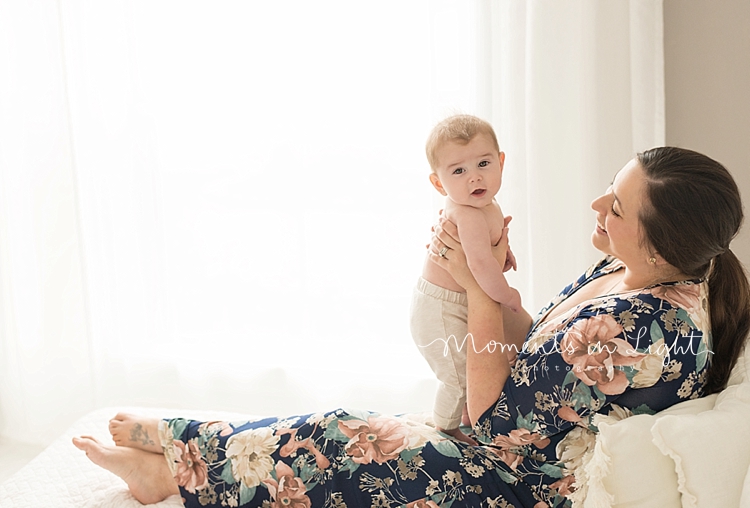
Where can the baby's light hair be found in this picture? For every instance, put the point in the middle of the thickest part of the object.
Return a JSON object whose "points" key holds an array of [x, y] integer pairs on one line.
{"points": [[458, 129]]}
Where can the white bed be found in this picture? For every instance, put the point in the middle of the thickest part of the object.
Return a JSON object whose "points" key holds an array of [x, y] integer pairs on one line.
{"points": [[62, 477], [695, 454]]}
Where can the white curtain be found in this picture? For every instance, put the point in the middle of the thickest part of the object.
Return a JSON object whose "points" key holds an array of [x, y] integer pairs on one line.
{"points": [[578, 90], [225, 205]]}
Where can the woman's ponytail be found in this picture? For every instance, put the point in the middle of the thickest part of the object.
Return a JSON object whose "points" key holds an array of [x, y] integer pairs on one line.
{"points": [[693, 212], [729, 302]]}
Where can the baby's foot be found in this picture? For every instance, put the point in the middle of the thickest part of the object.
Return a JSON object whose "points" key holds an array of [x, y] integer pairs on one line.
{"points": [[135, 432], [458, 434], [146, 474]]}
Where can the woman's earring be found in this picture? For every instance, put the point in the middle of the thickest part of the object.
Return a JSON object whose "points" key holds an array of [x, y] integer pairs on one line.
{"points": [[652, 260]]}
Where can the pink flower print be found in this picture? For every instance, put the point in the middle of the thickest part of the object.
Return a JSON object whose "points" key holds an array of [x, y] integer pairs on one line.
{"points": [[379, 439], [591, 347], [520, 437], [287, 491], [568, 414], [690, 297], [681, 296], [422, 503], [223, 428], [192, 472], [291, 447], [564, 486], [515, 439], [512, 460]]}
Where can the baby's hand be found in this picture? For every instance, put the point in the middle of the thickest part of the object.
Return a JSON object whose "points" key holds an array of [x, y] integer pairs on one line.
{"points": [[501, 250], [510, 261], [514, 303]]}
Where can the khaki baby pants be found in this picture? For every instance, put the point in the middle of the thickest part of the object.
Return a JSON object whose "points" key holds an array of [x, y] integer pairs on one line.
{"points": [[438, 327]]}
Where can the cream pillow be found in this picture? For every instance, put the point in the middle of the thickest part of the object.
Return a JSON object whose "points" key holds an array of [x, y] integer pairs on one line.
{"points": [[745, 499], [711, 450], [628, 470], [662, 460], [739, 373]]}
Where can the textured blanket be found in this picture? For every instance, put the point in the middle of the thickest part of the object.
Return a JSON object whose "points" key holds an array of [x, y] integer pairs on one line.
{"points": [[62, 477]]}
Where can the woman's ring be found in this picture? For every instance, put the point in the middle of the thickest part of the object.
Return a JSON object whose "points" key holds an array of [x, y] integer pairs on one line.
{"points": [[442, 252]]}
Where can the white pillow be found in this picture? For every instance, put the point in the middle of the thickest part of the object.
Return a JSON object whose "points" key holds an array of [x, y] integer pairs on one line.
{"points": [[638, 473], [628, 469], [711, 450], [739, 373], [745, 499]]}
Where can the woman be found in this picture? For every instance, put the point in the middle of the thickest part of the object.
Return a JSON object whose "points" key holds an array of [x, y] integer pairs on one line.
{"points": [[633, 334]]}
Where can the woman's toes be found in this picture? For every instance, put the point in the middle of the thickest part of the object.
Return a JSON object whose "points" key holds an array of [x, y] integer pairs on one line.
{"points": [[135, 432], [95, 451], [86, 442], [147, 474]]}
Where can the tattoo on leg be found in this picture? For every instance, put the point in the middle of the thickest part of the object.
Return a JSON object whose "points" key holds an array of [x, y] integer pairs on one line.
{"points": [[137, 433]]}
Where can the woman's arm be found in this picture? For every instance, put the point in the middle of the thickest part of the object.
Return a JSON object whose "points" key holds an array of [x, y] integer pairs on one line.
{"points": [[516, 326], [487, 366]]}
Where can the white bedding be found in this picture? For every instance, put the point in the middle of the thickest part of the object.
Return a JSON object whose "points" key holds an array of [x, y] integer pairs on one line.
{"points": [[62, 476], [693, 455]]}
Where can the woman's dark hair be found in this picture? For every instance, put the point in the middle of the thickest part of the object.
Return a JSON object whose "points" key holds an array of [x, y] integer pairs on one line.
{"points": [[694, 210]]}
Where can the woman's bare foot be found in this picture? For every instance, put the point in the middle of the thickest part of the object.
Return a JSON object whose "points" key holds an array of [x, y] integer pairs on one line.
{"points": [[147, 474], [458, 434], [135, 432]]}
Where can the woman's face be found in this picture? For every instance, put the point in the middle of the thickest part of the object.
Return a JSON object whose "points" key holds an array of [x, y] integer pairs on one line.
{"points": [[618, 228]]}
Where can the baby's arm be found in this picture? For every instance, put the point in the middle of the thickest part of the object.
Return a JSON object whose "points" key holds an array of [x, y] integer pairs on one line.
{"points": [[474, 233]]}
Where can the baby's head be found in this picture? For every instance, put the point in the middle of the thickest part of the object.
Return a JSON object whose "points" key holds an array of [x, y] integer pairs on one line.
{"points": [[466, 161]]}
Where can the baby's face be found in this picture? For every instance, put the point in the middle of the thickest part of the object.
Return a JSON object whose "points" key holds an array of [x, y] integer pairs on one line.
{"points": [[469, 174]]}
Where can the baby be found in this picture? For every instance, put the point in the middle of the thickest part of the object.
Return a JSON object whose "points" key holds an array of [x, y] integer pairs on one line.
{"points": [[467, 167]]}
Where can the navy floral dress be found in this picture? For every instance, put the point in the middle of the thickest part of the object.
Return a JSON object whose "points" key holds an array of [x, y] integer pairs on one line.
{"points": [[618, 355]]}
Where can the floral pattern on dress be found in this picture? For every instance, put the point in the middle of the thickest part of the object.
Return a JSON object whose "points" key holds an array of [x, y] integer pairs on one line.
{"points": [[609, 358]]}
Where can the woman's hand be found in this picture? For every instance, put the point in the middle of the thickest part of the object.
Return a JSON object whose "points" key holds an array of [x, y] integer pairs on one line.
{"points": [[453, 260]]}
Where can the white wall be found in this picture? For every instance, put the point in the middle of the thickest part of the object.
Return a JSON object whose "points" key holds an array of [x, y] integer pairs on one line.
{"points": [[707, 81]]}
